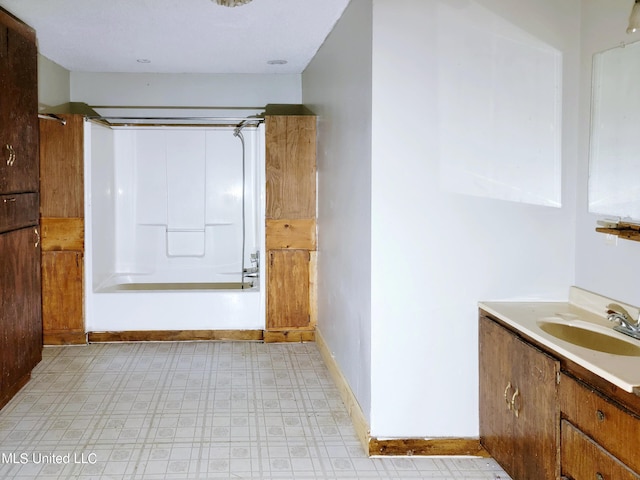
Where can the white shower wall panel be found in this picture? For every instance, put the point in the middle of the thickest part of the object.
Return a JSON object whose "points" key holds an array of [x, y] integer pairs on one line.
{"points": [[127, 210], [180, 204], [99, 202]]}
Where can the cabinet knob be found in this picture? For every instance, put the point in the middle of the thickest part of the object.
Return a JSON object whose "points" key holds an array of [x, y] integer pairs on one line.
{"points": [[601, 417], [599, 476]]}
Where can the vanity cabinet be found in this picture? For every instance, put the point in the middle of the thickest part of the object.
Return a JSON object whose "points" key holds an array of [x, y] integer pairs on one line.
{"points": [[543, 416], [519, 415]]}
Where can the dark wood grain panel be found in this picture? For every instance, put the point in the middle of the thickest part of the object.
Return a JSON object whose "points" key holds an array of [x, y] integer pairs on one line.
{"points": [[18, 211], [62, 167]]}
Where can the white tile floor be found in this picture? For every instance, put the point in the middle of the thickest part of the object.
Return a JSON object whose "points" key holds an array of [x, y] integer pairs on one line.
{"points": [[195, 411]]}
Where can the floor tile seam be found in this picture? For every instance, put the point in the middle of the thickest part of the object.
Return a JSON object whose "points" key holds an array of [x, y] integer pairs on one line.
{"points": [[152, 415], [211, 362], [307, 416], [254, 402]]}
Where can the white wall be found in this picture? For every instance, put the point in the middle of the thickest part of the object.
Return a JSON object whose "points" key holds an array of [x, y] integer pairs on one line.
{"points": [[337, 87], [435, 254], [130, 89], [53, 84], [610, 269]]}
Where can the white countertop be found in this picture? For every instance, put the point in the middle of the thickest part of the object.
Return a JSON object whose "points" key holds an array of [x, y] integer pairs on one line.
{"points": [[582, 308]]}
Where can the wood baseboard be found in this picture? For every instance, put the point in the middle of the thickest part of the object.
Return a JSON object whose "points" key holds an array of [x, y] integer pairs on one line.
{"points": [[358, 418], [428, 447], [175, 336], [289, 336], [64, 338], [380, 447]]}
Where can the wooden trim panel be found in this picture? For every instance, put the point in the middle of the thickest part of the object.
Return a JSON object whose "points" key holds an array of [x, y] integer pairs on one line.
{"points": [[428, 447], [62, 234], [175, 336], [356, 414], [289, 336], [65, 337], [291, 234]]}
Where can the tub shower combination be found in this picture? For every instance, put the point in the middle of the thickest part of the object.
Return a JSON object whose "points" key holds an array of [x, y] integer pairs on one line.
{"points": [[174, 213]]}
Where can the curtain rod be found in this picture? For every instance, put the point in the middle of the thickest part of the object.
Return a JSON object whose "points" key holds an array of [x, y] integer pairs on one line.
{"points": [[218, 119]]}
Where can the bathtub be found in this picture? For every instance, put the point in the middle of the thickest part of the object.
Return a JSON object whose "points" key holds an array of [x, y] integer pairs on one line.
{"points": [[141, 275]]}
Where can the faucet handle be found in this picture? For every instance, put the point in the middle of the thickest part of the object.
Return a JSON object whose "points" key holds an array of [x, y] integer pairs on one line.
{"points": [[614, 308]]}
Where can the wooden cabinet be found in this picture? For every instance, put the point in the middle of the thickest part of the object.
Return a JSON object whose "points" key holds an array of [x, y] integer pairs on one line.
{"points": [[62, 210], [19, 107], [519, 416], [544, 417], [598, 434], [20, 297], [290, 222], [21, 331], [288, 272]]}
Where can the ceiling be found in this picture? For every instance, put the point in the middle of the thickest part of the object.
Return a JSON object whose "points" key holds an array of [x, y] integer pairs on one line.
{"points": [[179, 36]]}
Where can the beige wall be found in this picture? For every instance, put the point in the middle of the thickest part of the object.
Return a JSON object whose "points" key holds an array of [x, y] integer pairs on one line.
{"points": [[53, 84]]}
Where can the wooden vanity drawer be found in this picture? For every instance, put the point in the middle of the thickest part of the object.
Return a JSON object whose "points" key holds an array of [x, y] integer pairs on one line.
{"points": [[18, 211], [583, 459], [608, 424]]}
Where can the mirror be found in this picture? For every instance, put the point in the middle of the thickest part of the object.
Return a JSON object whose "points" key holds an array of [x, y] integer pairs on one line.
{"points": [[614, 164]]}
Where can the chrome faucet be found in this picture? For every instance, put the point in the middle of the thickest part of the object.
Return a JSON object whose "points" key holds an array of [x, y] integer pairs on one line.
{"points": [[616, 313]]}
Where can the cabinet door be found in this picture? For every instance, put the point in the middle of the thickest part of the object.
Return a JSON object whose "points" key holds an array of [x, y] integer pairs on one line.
{"points": [[519, 411], [291, 167], [19, 162], [20, 320], [288, 289], [62, 296]]}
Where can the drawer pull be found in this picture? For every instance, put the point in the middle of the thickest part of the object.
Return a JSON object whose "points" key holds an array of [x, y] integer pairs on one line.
{"points": [[601, 417], [506, 396], [12, 155], [37, 237], [516, 409], [10, 200]]}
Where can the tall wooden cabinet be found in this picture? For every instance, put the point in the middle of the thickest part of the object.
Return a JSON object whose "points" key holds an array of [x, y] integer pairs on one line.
{"points": [[290, 222], [20, 298], [62, 211]]}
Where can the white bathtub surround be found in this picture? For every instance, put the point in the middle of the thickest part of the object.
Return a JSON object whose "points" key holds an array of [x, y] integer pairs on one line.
{"points": [[167, 205]]}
